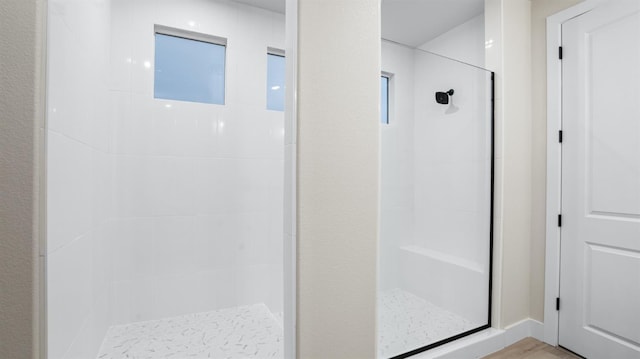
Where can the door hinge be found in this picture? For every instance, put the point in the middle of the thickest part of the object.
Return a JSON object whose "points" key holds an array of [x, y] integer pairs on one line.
{"points": [[559, 220], [557, 303], [560, 52], [560, 136]]}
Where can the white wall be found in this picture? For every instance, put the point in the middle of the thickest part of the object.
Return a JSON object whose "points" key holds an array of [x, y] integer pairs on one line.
{"points": [[199, 187], [290, 260], [80, 180], [396, 163]]}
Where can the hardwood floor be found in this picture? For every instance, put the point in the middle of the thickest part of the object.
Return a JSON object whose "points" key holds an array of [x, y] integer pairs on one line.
{"points": [[530, 348]]}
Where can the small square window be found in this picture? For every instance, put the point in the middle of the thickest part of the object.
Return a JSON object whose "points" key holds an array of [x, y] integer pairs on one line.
{"points": [[275, 81], [189, 67], [384, 99]]}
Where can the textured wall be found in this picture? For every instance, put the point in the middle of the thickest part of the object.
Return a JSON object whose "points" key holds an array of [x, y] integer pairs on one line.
{"points": [[516, 159], [21, 25], [338, 171], [508, 36]]}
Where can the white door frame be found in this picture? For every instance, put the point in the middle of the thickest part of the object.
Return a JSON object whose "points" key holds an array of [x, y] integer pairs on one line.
{"points": [[554, 165]]}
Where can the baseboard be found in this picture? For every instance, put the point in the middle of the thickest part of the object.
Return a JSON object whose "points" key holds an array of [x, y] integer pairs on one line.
{"points": [[486, 342], [537, 329]]}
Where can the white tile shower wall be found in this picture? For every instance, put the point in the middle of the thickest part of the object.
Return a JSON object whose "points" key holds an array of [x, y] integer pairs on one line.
{"points": [[80, 181], [434, 209], [450, 145], [199, 186], [445, 282], [397, 161], [452, 168]]}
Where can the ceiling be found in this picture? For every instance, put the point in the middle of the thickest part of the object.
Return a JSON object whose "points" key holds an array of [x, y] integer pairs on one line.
{"points": [[411, 22], [273, 5], [414, 22]]}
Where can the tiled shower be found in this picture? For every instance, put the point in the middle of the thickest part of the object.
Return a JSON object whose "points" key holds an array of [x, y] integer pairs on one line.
{"points": [[165, 212], [436, 187], [164, 235]]}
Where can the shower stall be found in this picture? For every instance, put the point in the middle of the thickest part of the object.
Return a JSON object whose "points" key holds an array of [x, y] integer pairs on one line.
{"points": [[436, 194], [165, 184], [165, 165]]}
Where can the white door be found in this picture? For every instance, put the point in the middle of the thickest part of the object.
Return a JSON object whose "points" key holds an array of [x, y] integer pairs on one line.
{"points": [[600, 230]]}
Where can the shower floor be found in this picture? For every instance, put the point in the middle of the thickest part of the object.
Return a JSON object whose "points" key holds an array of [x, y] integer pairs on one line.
{"points": [[409, 322], [241, 332]]}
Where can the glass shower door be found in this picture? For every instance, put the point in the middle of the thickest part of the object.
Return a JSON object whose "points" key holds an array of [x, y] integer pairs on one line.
{"points": [[436, 202]]}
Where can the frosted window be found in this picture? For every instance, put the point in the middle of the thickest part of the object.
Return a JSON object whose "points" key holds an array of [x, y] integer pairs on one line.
{"points": [[189, 70], [384, 100], [275, 82]]}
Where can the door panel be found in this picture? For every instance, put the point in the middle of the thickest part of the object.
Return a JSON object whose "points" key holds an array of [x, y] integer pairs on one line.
{"points": [[600, 237], [620, 317], [612, 66]]}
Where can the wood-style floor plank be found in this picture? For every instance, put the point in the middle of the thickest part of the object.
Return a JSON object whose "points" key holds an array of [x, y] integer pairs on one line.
{"points": [[531, 348]]}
